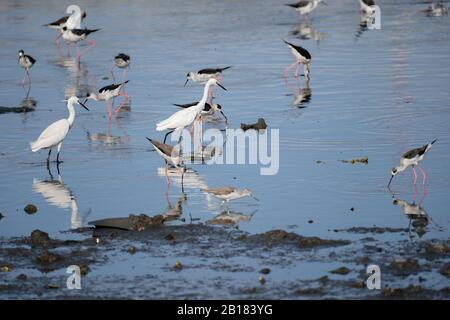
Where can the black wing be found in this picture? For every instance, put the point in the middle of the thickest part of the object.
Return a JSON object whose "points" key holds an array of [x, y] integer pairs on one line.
{"points": [[299, 4], [122, 56], [300, 50], [212, 70], [187, 105], [111, 87], [369, 2], [32, 60], [411, 154], [80, 32], [58, 22]]}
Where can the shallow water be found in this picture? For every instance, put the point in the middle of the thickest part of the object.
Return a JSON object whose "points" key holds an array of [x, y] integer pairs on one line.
{"points": [[374, 93]]}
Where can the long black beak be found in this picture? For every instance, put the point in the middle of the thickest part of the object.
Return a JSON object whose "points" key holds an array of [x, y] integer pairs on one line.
{"points": [[223, 114], [82, 104], [255, 198], [221, 86], [392, 177], [186, 82]]}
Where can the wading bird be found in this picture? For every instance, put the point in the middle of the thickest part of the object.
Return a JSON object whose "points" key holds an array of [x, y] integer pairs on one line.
{"points": [[26, 62], [171, 155], [184, 118], [73, 21], [109, 92], [229, 193], [412, 158], [305, 7], [55, 133], [302, 56], [76, 35], [121, 61], [204, 75]]}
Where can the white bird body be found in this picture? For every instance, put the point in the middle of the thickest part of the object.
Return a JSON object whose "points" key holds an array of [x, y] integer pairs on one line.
{"points": [[183, 118], [107, 92], [228, 193], [74, 20], [55, 133]]}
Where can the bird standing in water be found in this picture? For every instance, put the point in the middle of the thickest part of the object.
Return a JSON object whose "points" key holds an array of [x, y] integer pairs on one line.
{"points": [[55, 133], [412, 158], [26, 62]]}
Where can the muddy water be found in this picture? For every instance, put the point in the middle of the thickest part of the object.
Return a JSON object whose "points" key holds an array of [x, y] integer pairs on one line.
{"points": [[374, 93]]}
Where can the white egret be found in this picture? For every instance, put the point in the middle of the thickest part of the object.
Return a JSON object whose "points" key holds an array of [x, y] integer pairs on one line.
{"points": [[55, 133], [183, 118]]}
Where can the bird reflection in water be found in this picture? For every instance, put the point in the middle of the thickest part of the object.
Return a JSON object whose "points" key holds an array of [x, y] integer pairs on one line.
{"points": [[57, 194], [306, 31], [417, 215], [366, 19], [302, 96], [231, 218]]}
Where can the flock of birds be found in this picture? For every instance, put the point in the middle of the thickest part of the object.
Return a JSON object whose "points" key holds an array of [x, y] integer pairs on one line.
{"points": [[69, 28]]}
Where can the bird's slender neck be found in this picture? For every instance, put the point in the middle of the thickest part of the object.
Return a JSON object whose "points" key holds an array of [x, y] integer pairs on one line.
{"points": [[205, 93], [71, 117], [401, 167]]}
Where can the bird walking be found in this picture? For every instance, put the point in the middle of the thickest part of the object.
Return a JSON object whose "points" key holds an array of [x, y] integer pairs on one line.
{"points": [[184, 118], [109, 92], [72, 21], [26, 62], [55, 133], [305, 7], [121, 61], [229, 193], [204, 75], [71, 36], [302, 56], [172, 156], [412, 158]]}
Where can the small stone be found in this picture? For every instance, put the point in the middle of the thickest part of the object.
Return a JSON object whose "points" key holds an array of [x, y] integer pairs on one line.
{"points": [[131, 250], [262, 280], [30, 209], [310, 221], [178, 265], [22, 277], [445, 270], [1, 216], [341, 270], [39, 237], [352, 209], [6, 268], [265, 271], [51, 286], [47, 257], [169, 237], [97, 240]]}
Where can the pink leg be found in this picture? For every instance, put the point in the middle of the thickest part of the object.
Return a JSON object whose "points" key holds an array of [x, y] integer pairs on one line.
{"points": [[287, 69], [78, 54], [91, 44], [167, 176], [108, 108], [57, 38], [297, 70], [424, 175], [112, 73], [123, 102], [415, 175], [416, 192]]}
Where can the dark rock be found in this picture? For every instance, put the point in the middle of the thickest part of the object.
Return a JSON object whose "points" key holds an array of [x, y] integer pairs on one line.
{"points": [[131, 250], [265, 271], [39, 238], [405, 266], [30, 209], [47, 257], [259, 125], [341, 270], [132, 222], [22, 277], [445, 270]]}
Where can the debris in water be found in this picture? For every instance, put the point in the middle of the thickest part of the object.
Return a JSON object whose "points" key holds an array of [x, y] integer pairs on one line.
{"points": [[445, 270], [259, 125], [364, 160], [30, 209], [131, 250], [52, 286], [262, 280], [132, 222], [341, 270], [22, 277], [6, 268], [178, 265], [265, 271]]}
